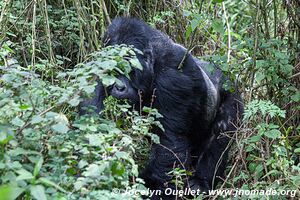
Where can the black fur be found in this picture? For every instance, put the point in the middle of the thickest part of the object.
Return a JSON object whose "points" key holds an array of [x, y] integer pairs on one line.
{"points": [[195, 107]]}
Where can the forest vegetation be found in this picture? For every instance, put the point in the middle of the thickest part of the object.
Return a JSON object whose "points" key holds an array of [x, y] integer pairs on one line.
{"points": [[48, 151]]}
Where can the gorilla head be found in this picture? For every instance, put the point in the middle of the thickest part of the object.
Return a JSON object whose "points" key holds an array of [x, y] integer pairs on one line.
{"points": [[141, 81]]}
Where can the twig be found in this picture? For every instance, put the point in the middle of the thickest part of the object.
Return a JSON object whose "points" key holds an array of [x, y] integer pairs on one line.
{"points": [[228, 33], [3, 11], [48, 33], [33, 38], [255, 47], [295, 75], [28, 123], [45, 111], [227, 177], [105, 11]]}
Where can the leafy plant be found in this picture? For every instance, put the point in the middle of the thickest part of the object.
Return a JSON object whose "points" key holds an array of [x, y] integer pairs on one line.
{"points": [[47, 150]]}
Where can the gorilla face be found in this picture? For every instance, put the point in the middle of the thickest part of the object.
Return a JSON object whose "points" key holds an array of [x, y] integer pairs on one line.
{"points": [[124, 90], [140, 81]]}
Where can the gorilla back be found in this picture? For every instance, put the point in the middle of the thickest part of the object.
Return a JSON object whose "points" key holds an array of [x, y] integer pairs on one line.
{"points": [[195, 107]]}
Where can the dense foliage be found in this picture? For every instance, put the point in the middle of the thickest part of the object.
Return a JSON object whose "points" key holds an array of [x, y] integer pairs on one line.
{"points": [[50, 60]]}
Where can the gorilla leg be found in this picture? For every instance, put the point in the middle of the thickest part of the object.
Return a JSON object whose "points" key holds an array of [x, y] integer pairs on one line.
{"points": [[212, 162], [172, 152]]}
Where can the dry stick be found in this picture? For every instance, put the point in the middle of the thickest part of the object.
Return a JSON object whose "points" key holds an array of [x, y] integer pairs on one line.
{"points": [[153, 98], [105, 11], [228, 32], [45, 111], [227, 147], [275, 18], [23, 51], [127, 13], [82, 49], [292, 14], [262, 154], [240, 152], [220, 160], [64, 5], [295, 75], [95, 31], [141, 100], [185, 54], [33, 38], [48, 32], [3, 11], [265, 16], [28, 123], [255, 47], [233, 168], [227, 177]]}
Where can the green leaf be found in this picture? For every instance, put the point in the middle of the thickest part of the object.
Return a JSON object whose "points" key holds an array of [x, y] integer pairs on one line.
{"points": [[117, 169], [188, 32], [218, 1], [254, 138], [50, 183], [17, 122], [24, 175], [217, 25], [122, 154], [82, 164], [258, 170], [10, 192], [36, 119], [109, 64], [186, 13], [5, 134], [194, 24], [261, 64], [108, 80], [273, 172], [74, 102], [155, 138], [136, 63], [24, 107], [38, 167], [60, 128], [79, 184], [38, 192], [297, 150], [273, 134], [252, 166], [89, 89], [94, 170], [95, 139], [259, 76], [296, 97]]}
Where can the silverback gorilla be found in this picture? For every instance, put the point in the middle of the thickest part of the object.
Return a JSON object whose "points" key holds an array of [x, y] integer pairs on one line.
{"points": [[195, 107]]}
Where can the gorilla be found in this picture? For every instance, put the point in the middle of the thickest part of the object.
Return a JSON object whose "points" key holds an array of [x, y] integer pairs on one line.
{"points": [[196, 108]]}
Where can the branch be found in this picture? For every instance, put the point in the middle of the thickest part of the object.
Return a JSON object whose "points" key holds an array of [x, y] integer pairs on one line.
{"points": [[105, 11], [228, 32]]}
